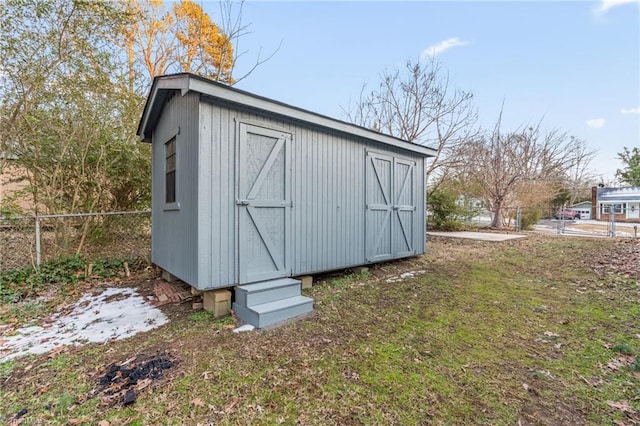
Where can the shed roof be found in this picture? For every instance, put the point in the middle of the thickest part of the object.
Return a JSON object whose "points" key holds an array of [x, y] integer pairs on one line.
{"points": [[186, 82]]}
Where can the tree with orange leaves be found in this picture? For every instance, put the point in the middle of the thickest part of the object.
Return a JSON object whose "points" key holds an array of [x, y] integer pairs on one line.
{"points": [[183, 39], [202, 47]]}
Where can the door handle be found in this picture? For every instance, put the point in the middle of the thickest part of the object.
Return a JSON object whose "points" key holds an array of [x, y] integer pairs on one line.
{"points": [[242, 202]]}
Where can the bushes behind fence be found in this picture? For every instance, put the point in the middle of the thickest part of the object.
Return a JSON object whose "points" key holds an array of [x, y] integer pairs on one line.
{"points": [[30, 241]]}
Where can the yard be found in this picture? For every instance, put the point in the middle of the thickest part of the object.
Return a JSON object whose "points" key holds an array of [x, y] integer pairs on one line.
{"points": [[536, 331]]}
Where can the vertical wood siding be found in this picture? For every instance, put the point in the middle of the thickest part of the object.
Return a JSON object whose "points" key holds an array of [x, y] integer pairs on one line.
{"points": [[217, 212], [173, 242], [198, 243]]}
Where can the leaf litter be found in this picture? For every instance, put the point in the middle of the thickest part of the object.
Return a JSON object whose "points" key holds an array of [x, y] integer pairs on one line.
{"points": [[336, 327]]}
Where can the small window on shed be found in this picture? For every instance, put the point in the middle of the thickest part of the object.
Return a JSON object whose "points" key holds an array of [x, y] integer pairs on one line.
{"points": [[170, 171]]}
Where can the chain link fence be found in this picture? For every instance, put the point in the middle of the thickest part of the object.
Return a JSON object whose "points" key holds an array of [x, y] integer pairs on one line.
{"points": [[558, 221], [34, 240], [513, 218]]}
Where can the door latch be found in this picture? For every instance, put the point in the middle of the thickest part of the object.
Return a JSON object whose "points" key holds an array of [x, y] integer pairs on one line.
{"points": [[242, 202]]}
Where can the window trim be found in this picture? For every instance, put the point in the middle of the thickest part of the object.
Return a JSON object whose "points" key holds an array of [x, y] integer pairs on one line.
{"points": [[175, 204], [618, 208]]}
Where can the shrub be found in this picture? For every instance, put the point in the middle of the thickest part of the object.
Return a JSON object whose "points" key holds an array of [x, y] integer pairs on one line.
{"points": [[18, 284], [445, 213], [529, 218]]}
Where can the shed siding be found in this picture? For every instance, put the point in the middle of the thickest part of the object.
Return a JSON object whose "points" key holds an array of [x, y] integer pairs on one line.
{"points": [[216, 238], [328, 192], [174, 243], [328, 213]]}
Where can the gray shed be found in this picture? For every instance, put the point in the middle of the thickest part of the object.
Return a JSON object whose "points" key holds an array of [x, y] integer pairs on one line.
{"points": [[248, 192]]}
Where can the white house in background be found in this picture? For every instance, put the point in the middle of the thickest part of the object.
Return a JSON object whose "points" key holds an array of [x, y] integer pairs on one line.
{"points": [[624, 203]]}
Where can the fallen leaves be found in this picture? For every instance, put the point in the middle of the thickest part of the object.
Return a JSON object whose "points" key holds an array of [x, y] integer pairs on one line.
{"points": [[621, 361], [621, 259], [57, 351], [229, 408], [623, 406]]}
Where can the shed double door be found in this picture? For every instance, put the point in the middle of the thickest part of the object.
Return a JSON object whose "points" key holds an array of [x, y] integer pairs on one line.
{"points": [[264, 203], [391, 207]]}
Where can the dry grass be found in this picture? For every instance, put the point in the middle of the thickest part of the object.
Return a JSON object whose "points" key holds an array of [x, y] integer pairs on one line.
{"points": [[519, 332]]}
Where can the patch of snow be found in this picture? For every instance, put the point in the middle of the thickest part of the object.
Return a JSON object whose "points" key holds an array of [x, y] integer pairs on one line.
{"points": [[409, 274], [243, 328], [114, 314]]}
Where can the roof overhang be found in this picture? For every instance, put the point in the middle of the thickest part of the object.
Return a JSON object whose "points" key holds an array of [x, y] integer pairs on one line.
{"points": [[186, 82]]}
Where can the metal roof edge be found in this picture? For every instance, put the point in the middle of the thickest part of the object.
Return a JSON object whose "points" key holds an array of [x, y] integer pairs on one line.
{"points": [[190, 82]]}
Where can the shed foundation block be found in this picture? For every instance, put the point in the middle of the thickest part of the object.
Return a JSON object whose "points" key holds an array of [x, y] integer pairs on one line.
{"points": [[307, 281], [168, 276], [217, 302]]}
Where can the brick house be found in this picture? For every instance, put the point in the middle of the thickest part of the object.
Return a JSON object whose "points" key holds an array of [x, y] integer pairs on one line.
{"points": [[623, 202]]}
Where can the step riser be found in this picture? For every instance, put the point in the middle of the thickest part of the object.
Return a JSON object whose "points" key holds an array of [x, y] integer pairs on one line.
{"points": [[269, 291], [250, 316], [272, 295], [285, 314]]}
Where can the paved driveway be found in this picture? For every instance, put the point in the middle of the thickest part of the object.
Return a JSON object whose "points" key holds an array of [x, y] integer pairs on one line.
{"points": [[481, 236]]}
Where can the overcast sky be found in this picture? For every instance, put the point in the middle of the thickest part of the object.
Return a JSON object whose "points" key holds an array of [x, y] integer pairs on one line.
{"points": [[575, 64]]}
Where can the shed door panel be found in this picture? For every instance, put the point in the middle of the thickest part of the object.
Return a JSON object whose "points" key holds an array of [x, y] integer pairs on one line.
{"points": [[379, 172], [391, 207], [264, 203], [404, 207]]}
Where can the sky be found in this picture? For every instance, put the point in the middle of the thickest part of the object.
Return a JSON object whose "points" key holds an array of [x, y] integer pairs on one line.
{"points": [[574, 65]]}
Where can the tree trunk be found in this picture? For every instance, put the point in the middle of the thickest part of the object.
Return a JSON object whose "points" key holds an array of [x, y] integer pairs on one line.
{"points": [[497, 216]]}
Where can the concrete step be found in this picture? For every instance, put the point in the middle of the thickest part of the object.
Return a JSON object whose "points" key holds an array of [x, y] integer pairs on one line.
{"points": [[267, 291], [269, 313]]}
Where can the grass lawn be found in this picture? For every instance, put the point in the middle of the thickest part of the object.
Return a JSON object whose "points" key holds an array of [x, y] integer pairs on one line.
{"points": [[537, 331]]}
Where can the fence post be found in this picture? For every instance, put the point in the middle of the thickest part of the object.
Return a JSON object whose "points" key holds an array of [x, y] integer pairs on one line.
{"points": [[38, 247], [561, 225], [612, 221]]}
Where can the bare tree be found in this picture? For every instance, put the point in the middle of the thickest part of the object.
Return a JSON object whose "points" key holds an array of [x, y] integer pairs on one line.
{"points": [[504, 165], [579, 178], [419, 106], [235, 30]]}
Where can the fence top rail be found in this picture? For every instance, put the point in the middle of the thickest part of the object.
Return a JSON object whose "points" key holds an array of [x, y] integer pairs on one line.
{"points": [[66, 215]]}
